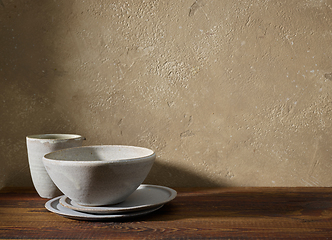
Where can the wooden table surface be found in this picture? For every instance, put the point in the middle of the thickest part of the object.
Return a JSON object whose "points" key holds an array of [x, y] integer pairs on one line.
{"points": [[196, 213]]}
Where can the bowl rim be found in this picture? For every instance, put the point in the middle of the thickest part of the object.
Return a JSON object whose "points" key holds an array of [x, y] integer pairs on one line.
{"points": [[125, 160]]}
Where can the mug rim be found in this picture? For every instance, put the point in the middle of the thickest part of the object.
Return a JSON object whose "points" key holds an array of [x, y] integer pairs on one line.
{"points": [[54, 136]]}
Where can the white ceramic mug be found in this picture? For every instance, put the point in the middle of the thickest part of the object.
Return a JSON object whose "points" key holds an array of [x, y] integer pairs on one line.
{"points": [[37, 147]]}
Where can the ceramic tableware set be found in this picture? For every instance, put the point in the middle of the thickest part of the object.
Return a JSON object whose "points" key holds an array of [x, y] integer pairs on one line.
{"points": [[93, 182]]}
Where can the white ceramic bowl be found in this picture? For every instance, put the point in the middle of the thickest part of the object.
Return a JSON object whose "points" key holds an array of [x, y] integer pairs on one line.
{"points": [[99, 175]]}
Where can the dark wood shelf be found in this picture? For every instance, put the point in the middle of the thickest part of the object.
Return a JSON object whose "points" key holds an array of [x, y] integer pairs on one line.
{"points": [[196, 213]]}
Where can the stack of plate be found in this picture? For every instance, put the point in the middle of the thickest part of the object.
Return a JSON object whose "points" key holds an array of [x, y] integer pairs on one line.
{"points": [[146, 199]]}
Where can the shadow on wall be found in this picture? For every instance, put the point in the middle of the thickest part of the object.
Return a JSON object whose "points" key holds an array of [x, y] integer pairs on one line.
{"points": [[29, 70], [34, 48], [167, 175]]}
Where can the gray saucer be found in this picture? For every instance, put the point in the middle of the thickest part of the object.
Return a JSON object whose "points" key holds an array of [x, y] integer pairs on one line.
{"points": [[54, 206], [145, 197]]}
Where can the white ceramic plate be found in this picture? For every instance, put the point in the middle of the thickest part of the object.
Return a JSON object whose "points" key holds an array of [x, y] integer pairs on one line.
{"points": [[54, 206], [145, 197]]}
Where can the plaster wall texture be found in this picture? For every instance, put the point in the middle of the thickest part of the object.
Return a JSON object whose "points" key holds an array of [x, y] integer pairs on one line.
{"points": [[228, 93]]}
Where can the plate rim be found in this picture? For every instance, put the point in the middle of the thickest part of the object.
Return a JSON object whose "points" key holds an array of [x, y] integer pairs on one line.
{"points": [[90, 216], [113, 209]]}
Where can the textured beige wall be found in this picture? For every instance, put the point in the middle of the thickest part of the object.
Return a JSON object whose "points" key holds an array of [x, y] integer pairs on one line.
{"points": [[228, 93]]}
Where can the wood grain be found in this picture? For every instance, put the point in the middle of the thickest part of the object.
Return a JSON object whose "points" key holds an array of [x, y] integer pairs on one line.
{"points": [[219, 213]]}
